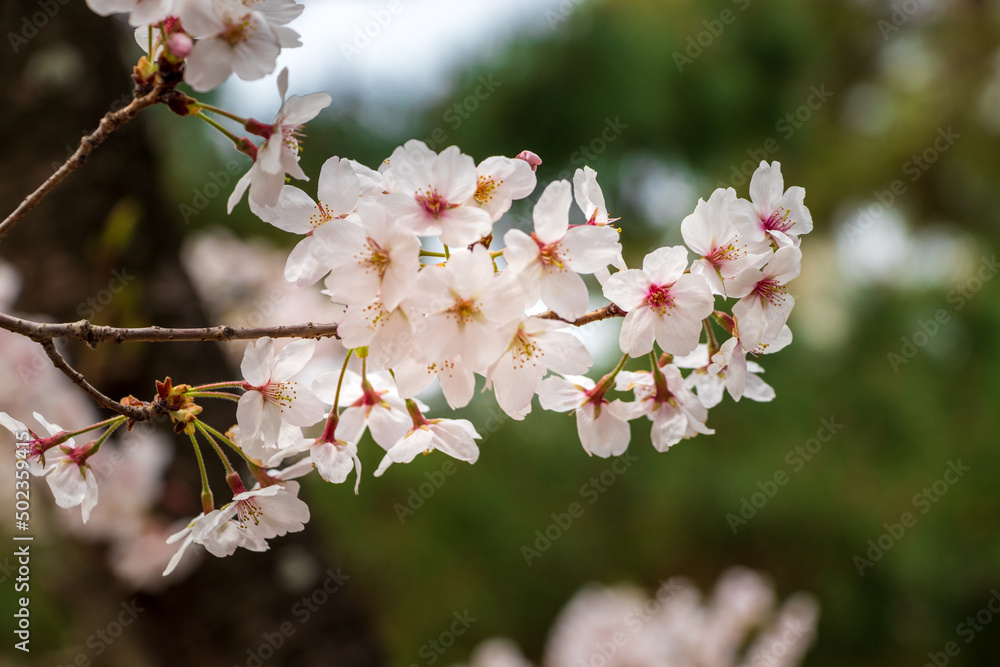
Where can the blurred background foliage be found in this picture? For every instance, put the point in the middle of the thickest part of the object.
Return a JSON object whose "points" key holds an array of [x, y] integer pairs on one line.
{"points": [[896, 77]]}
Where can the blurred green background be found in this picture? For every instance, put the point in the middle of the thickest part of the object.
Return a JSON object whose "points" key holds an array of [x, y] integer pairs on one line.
{"points": [[849, 96]]}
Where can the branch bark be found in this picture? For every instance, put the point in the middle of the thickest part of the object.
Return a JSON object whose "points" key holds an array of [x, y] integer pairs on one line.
{"points": [[109, 123]]}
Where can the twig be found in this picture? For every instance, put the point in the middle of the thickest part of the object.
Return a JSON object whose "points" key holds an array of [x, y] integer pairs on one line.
{"points": [[132, 412], [93, 334], [109, 123], [606, 313]]}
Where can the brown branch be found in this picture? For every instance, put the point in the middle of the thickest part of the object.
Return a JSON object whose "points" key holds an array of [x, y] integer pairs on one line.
{"points": [[109, 123], [132, 412], [606, 313], [93, 334]]}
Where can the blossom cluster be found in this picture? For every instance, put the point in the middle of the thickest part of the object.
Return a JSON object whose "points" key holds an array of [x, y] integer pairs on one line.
{"points": [[426, 291], [214, 38]]}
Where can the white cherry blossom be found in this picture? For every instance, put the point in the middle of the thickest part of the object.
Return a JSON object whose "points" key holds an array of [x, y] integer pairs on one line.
{"points": [[463, 302], [709, 231], [676, 413], [433, 194], [764, 302], [775, 214], [279, 154], [375, 258], [662, 302], [535, 346], [455, 437], [500, 181], [272, 397], [601, 424], [549, 261]]}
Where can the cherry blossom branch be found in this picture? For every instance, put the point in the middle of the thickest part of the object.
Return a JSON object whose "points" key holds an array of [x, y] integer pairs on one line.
{"points": [[109, 123], [606, 313], [131, 411], [93, 334]]}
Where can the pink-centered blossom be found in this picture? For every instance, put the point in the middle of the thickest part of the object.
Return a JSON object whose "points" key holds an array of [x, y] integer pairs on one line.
{"points": [[549, 261], [432, 194], [764, 302], [279, 154], [602, 425], [500, 181], [272, 397], [534, 347], [775, 214], [666, 401], [374, 258], [663, 303], [710, 233]]}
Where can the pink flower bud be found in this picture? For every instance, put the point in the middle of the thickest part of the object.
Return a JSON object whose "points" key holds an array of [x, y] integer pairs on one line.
{"points": [[180, 44], [530, 158]]}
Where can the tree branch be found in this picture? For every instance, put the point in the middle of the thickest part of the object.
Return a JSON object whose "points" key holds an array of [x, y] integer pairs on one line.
{"points": [[93, 334], [109, 123], [137, 413], [606, 313]]}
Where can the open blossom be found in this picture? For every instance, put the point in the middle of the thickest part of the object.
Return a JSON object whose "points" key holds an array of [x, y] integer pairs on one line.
{"points": [[501, 180], [590, 198], [601, 424], [662, 302], [776, 214], [729, 368], [463, 302], [676, 413], [535, 346], [371, 403], [709, 231], [230, 38], [71, 479], [764, 302], [272, 398], [456, 378], [550, 261], [387, 333], [34, 447], [296, 212], [374, 258], [279, 154], [432, 194], [455, 437], [141, 12]]}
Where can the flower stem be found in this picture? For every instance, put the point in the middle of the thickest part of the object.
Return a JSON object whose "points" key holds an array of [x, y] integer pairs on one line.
{"points": [[238, 141], [329, 431], [222, 112], [213, 394], [713, 345], [218, 385], [215, 445], [229, 443], [116, 421], [207, 502]]}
